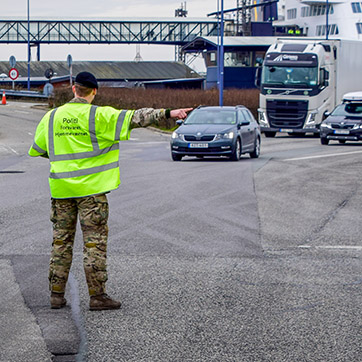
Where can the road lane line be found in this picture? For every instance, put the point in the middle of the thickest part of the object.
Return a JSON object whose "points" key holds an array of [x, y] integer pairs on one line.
{"points": [[150, 142], [7, 148], [321, 156], [338, 247], [77, 317], [13, 150]]}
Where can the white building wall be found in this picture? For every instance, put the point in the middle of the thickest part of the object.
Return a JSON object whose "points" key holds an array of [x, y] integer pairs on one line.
{"points": [[343, 17]]}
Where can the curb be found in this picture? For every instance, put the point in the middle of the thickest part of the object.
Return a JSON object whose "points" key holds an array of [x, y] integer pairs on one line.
{"points": [[41, 106], [157, 130]]}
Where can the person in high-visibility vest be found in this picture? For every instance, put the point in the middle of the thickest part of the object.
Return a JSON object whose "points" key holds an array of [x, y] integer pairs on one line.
{"points": [[82, 144]]}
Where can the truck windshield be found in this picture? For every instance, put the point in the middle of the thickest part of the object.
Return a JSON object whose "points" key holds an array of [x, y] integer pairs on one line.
{"points": [[288, 76]]}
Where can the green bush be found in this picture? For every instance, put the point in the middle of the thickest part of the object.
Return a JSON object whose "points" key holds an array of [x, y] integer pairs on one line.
{"points": [[135, 98]]}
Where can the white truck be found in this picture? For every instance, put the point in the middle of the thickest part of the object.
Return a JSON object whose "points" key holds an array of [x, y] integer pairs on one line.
{"points": [[302, 79]]}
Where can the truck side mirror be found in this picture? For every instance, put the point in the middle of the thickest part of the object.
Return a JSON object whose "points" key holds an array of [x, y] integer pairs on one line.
{"points": [[324, 76], [257, 79]]}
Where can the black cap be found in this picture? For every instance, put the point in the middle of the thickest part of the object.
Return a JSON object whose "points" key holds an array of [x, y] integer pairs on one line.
{"points": [[86, 79]]}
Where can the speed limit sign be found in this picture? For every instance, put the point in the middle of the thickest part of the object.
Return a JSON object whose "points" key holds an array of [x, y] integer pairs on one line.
{"points": [[13, 73]]}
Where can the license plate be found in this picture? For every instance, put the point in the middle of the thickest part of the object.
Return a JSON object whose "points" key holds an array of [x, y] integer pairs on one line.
{"points": [[286, 130], [198, 145], [341, 131]]}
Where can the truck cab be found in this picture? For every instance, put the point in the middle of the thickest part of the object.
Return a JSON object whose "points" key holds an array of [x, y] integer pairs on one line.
{"points": [[297, 86]]}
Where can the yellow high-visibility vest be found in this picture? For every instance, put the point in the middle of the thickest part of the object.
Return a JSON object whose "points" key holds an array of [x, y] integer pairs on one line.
{"points": [[82, 143]]}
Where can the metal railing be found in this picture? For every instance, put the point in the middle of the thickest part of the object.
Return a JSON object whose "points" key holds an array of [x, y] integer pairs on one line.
{"points": [[173, 32], [26, 94]]}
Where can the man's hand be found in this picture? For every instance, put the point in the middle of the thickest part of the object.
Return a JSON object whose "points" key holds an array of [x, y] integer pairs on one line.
{"points": [[180, 113]]}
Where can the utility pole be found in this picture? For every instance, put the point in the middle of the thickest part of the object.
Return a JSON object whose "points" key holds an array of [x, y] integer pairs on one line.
{"points": [[238, 17], [29, 51], [221, 57], [181, 12], [138, 57], [245, 16]]}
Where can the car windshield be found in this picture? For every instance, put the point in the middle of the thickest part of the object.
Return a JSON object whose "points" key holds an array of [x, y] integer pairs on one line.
{"points": [[290, 76], [348, 110], [214, 116]]}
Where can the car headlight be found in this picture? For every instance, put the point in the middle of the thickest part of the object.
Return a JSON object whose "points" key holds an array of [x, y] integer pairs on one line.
{"points": [[228, 135], [176, 135], [326, 125], [357, 126]]}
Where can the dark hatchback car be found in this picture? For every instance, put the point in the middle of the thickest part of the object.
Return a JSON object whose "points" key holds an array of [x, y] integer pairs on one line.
{"points": [[344, 123], [217, 131]]}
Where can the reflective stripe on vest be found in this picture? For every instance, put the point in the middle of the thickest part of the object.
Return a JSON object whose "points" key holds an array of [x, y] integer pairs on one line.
{"points": [[119, 125], [84, 172], [37, 148]]}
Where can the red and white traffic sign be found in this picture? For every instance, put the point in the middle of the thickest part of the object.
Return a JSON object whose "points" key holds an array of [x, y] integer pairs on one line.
{"points": [[13, 73]]}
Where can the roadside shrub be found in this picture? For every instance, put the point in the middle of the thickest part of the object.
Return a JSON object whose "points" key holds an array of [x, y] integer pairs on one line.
{"points": [[135, 98]]}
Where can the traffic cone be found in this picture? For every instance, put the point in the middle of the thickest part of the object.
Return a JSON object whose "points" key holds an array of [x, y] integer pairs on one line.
{"points": [[3, 99]]}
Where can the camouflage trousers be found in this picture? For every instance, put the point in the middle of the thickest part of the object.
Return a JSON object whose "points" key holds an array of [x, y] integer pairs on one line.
{"points": [[93, 217]]}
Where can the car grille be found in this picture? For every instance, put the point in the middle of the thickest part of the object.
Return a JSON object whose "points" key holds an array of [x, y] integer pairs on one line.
{"points": [[206, 138], [287, 114], [342, 126]]}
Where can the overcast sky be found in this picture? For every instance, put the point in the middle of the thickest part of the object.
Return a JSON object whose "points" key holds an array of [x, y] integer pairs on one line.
{"points": [[100, 9]]}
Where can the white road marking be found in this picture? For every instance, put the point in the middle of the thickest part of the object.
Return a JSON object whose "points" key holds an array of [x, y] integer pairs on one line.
{"points": [[151, 142], [321, 156], [13, 150], [24, 112], [338, 247], [133, 139], [7, 148], [30, 134]]}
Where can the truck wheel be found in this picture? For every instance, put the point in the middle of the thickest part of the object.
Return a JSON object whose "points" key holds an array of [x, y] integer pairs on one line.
{"points": [[235, 156], [256, 152], [176, 157], [270, 134], [324, 141]]}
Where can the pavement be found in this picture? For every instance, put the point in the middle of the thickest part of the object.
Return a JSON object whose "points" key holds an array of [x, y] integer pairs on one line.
{"points": [[256, 260]]}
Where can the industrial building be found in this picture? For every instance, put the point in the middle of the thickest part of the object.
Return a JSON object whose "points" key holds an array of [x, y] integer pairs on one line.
{"points": [[109, 73]]}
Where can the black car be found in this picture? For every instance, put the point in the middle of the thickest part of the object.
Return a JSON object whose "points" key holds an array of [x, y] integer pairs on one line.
{"points": [[344, 123], [217, 131]]}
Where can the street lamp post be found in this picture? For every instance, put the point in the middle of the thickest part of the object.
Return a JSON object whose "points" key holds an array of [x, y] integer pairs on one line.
{"points": [[218, 47], [29, 54], [221, 57]]}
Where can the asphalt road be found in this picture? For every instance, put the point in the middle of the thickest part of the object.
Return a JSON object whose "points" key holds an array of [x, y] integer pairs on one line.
{"points": [[256, 260]]}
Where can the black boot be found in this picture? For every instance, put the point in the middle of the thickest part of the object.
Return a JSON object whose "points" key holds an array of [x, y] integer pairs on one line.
{"points": [[57, 300], [103, 302]]}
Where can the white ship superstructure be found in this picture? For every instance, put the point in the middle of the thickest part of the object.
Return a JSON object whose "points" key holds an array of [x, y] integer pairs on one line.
{"points": [[344, 18]]}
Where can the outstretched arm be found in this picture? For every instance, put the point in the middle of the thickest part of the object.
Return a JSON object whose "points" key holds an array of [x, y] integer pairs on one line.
{"points": [[146, 116], [180, 113]]}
